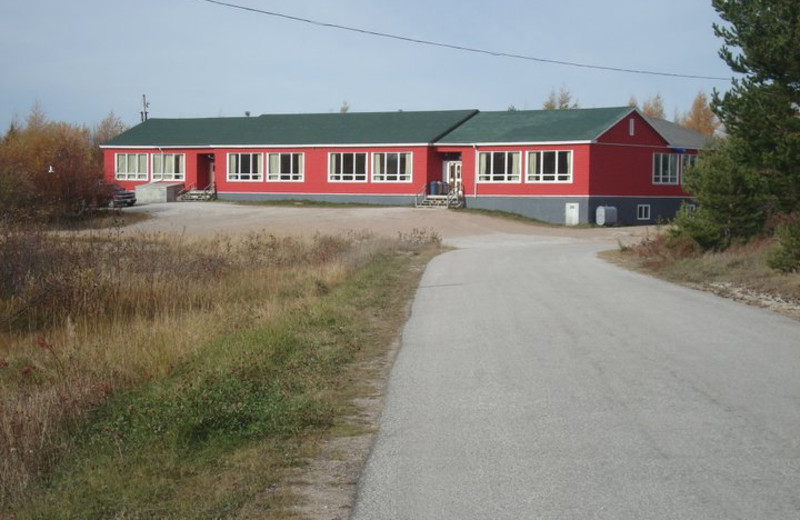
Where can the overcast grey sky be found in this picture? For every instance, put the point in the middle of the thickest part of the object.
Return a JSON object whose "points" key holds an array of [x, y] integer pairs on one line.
{"points": [[81, 59]]}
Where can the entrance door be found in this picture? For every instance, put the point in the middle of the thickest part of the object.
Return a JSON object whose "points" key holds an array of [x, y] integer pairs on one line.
{"points": [[572, 214], [212, 177], [452, 174]]}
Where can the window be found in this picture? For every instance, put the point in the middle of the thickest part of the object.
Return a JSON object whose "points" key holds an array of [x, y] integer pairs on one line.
{"points": [[391, 167], [550, 166], [245, 167], [169, 167], [131, 167], [643, 212], [499, 166], [347, 167], [631, 127], [665, 168], [285, 167]]}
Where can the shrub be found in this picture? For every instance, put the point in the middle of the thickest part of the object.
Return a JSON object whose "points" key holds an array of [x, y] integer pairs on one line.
{"points": [[696, 227], [785, 256], [732, 198], [49, 170]]}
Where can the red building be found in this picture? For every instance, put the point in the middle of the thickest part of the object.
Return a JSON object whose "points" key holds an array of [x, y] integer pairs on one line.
{"points": [[557, 166]]}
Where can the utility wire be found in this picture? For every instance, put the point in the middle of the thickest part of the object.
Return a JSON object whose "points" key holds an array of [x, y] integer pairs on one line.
{"points": [[462, 48]]}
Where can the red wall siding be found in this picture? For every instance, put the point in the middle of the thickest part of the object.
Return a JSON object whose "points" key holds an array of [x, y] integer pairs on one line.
{"points": [[578, 186], [316, 173], [622, 165], [315, 168], [643, 133], [192, 162]]}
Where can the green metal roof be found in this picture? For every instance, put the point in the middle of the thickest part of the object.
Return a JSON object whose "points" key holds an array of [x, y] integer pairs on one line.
{"points": [[296, 129], [531, 126]]}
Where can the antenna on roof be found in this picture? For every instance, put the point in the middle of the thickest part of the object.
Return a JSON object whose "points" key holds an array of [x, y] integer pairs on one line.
{"points": [[145, 106]]}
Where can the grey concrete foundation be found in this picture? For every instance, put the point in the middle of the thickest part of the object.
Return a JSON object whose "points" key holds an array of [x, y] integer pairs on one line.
{"points": [[390, 200], [546, 209]]}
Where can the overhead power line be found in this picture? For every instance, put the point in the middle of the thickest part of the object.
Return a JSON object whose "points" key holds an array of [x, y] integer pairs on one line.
{"points": [[463, 48]]}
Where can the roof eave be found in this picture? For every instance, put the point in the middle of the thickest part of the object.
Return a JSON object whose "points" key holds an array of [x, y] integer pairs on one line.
{"points": [[263, 146], [518, 143]]}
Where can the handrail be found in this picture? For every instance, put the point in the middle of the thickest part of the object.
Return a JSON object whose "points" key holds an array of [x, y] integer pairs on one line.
{"points": [[419, 197]]}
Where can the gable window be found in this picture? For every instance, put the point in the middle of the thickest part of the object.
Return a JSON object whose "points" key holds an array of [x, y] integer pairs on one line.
{"points": [[347, 167], [169, 167], [391, 167], [245, 167], [549, 166], [131, 167], [643, 212], [499, 166], [665, 168], [285, 167]]}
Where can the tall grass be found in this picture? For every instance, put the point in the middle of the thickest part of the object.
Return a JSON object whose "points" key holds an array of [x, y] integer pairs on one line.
{"points": [[743, 265], [115, 349]]}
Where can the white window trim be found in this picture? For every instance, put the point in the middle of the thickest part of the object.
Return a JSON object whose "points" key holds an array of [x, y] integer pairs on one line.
{"points": [[349, 181], [128, 175], [673, 181], [643, 208], [520, 174], [529, 176], [409, 163], [162, 176], [229, 175], [301, 174]]}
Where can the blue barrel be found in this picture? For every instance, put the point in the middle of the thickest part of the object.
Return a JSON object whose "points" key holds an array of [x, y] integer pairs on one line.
{"points": [[434, 189]]}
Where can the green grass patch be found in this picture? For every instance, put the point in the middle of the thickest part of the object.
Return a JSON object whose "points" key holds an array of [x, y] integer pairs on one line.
{"points": [[222, 428], [507, 215]]}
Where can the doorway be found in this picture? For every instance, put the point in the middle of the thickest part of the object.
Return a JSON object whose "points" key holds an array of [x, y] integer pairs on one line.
{"points": [[452, 175], [205, 171]]}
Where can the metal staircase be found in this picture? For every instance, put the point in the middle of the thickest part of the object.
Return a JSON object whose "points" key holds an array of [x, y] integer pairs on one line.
{"points": [[440, 195]]}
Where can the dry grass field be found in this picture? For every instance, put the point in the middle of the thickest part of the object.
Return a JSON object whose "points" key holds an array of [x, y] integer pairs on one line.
{"points": [[140, 370]]}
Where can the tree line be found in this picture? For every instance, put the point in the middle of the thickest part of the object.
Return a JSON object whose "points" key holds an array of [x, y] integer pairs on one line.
{"points": [[52, 170], [700, 117]]}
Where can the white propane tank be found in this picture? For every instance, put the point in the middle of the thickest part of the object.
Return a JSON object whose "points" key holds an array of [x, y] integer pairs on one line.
{"points": [[605, 215]]}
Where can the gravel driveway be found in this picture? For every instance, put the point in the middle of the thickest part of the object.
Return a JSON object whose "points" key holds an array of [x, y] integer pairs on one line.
{"points": [[207, 219]]}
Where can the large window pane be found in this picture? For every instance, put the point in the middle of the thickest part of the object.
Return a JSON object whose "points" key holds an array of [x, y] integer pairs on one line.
{"points": [[347, 167], [245, 167]]}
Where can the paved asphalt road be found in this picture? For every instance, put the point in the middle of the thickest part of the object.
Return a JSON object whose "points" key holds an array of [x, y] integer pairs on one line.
{"points": [[537, 381]]}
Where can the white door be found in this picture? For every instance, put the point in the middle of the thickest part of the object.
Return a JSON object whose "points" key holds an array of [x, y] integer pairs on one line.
{"points": [[573, 214], [452, 174]]}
